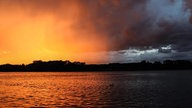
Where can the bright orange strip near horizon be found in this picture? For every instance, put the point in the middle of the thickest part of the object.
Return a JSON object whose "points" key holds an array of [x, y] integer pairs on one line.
{"points": [[25, 37]]}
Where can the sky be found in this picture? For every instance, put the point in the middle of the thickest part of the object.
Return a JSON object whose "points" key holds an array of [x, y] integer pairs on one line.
{"points": [[95, 31]]}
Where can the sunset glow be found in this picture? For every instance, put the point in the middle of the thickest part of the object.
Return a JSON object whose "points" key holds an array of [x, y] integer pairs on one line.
{"points": [[95, 53], [94, 31], [28, 34]]}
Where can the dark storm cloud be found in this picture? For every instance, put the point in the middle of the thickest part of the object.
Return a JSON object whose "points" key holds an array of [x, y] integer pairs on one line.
{"points": [[124, 23], [146, 25], [164, 50], [143, 23], [121, 23], [188, 6]]}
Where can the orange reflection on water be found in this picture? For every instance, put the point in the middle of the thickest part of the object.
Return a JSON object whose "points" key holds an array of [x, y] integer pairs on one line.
{"points": [[52, 89]]}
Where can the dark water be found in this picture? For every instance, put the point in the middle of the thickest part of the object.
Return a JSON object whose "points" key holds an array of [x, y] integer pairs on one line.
{"points": [[153, 89]]}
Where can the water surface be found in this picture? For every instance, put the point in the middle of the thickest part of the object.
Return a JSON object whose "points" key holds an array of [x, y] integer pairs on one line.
{"points": [[155, 89]]}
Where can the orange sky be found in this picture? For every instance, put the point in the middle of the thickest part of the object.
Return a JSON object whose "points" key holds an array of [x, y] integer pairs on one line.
{"points": [[30, 31], [92, 31]]}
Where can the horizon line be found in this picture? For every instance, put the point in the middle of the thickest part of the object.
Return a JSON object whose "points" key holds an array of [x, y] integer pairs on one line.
{"points": [[147, 61]]}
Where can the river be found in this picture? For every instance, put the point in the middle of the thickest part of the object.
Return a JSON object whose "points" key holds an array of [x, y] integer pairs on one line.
{"points": [[152, 89]]}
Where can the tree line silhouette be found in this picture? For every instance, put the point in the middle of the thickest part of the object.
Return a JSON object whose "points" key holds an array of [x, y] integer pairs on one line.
{"points": [[64, 66]]}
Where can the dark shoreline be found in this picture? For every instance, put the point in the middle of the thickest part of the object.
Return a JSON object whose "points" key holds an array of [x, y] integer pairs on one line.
{"points": [[67, 66]]}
